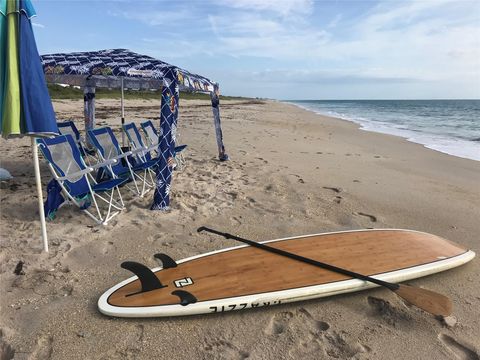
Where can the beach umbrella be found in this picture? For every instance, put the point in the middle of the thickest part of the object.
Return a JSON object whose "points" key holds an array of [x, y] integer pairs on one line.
{"points": [[25, 105]]}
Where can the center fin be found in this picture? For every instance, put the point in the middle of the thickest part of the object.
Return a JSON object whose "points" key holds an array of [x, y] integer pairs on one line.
{"points": [[147, 278], [167, 261]]}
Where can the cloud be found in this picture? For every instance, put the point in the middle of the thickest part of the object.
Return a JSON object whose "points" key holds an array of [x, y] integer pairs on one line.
{"points": [[424, 40], [247, 34], [156, 17], [330, 76], [398, 42], [38, 25], [333, 23], [280, 7]]}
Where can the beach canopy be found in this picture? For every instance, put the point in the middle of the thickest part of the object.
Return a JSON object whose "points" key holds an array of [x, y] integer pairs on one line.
{"points": [[110, 66], [25, 105], [120, 68]]}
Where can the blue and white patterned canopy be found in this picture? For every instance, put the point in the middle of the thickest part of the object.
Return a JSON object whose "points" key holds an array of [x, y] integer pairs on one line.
{"points": [[108, 66]]}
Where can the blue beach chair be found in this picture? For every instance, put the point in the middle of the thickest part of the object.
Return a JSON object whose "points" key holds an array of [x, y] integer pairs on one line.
{"points": [[136, 143], [76, 180], [69, 127], [125, 166], [153, 137]]}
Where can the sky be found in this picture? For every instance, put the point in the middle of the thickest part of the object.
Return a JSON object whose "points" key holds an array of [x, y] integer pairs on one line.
{"points": [[287, 49]]}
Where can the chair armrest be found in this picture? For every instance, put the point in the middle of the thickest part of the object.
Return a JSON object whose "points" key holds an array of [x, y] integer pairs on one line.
{"points": [[152, 147], [104, 163], [75, 174], [136, 151], [121, 156]]}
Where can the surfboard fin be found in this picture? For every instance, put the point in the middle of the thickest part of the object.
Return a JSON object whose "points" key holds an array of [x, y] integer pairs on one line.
{"points": [[147, 278], [185, 297], [167, 261]]}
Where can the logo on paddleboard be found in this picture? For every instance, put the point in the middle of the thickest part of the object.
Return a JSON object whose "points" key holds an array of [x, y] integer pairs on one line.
{"points": [[183, 282]]}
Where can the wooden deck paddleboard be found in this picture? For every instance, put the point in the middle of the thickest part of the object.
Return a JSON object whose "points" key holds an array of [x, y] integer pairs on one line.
{"points": [[243, 277]]}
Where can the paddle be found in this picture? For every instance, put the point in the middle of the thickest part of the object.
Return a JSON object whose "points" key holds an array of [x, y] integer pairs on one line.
{"points": [[429, 301]]}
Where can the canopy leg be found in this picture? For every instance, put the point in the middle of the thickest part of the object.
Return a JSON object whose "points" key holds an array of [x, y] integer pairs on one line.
{"points": [[215, 97], [122, 105]]}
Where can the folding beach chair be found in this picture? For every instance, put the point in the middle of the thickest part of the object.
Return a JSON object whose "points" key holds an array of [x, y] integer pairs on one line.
{"points": [[76, 181], [125, 167], [153, 137], [69, 127], [136, 143]]}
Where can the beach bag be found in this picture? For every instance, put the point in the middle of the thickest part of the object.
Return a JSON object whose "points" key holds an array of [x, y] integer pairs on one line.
{"points": [[54, 199]]}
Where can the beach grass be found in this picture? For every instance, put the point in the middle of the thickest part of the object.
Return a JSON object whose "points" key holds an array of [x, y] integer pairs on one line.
{"points": [[71, 93]]}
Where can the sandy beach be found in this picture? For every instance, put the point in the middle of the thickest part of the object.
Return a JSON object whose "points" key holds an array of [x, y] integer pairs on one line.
{"points": [[292, 172]]}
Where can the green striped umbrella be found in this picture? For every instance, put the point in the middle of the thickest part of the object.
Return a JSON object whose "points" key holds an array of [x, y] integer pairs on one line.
{"points": [[3, 43], [25, 105], [11, 102]]}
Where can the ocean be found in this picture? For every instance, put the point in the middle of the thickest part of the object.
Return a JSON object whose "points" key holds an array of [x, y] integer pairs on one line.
{"points": [[448, 126]]}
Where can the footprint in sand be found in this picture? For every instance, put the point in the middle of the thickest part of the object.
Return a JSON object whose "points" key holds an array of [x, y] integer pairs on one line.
{"points": [[391, 314], [130, 347], [319, 340], [223, 349], [43, 349], [6, 351], [281, 321], [278, 323], [317, 324], [459, 350], [340, 346]]}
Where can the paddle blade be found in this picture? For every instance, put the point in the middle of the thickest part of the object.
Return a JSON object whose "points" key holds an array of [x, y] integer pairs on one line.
{"points": [[429, 301]]}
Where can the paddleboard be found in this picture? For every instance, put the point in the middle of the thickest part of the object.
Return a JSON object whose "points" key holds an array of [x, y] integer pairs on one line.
{"points": [[245, 277]]}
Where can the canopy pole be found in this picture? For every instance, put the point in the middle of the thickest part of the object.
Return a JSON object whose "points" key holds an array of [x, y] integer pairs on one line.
{"points": [[166, 144], [89, 106], [123, 113], [38, 181], [215, 97]]}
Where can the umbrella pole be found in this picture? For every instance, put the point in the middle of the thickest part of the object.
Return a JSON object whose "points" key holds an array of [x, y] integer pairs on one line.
{"points": [[38, 181], [123, 114]]}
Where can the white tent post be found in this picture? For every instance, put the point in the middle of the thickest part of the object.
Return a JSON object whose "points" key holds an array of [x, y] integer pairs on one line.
{"points": [[38, 181], [123, 114]]}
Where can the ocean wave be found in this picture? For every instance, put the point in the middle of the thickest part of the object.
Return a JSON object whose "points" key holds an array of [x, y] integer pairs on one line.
{"points": [[455, 139]]}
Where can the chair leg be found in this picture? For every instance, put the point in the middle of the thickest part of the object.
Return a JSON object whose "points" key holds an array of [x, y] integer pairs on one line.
{"points": [[120, 197], [150, 171], [112, 201], [74, 201], [96, 206], [107, 217]]}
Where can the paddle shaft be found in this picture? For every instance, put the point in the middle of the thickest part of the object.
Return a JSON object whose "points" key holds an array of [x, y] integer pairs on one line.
{"points": [[306, 260]]}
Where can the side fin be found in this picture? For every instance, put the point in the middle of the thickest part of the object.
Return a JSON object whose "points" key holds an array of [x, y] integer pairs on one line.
{"points": [[167, 261], [147, 278], [185, 297]]}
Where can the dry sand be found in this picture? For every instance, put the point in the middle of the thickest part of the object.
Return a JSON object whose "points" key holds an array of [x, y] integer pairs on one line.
{"points": [[292, 172]]}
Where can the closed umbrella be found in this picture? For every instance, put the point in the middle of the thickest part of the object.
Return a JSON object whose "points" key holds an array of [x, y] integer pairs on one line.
{"points": [[3, 40], [25, 105]]}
